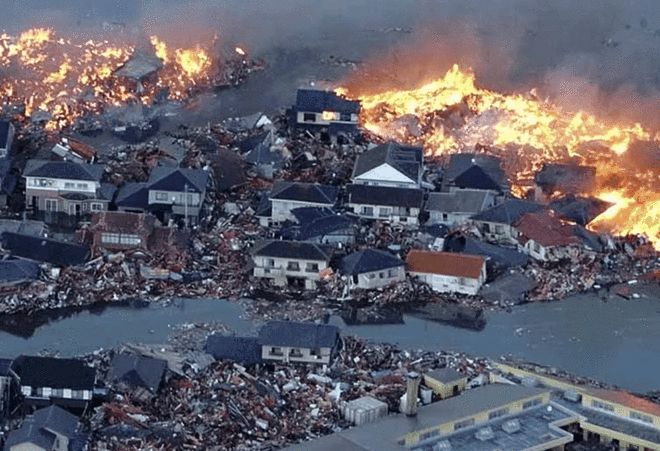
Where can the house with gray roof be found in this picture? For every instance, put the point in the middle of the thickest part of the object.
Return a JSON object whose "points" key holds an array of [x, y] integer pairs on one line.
{"points": [[288, 341], [64, 191], [390, 164], [386, 203], [7, 132], [497, 223], [49, 429], [16, 272], [372, 268], [316, 108], [288, 196], [294, 263], [456, 208], [324, 226], [137, 371], [244, 350], [475, 171]]}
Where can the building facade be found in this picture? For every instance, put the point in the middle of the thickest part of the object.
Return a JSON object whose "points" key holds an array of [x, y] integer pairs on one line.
{"points": [[446, 272], [290, 263]]}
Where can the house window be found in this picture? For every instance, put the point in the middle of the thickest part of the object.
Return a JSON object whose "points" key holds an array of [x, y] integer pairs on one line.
{"points": [[293, 266], [96, 206], [532, 403], [296, 353], [329, 115], [270, 262], [602, 405], [487, 228], [384, 212], [82, 186], [131, 240], [161, 195], [462, 281], [368, 211], [45, 392], [345, 117], [51, 204], [69, 185], [309, 117], [640, 417], [392, 272], [58, 393], [110, 238], [381, 275], [537, 247], [371, 276], [463, 424], [276, 351], [499, 229], [77, 394], [498, 413], [445, 216], [312, 267]]}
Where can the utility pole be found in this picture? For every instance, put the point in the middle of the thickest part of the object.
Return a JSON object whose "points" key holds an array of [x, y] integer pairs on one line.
{"points": [[185, 206]]}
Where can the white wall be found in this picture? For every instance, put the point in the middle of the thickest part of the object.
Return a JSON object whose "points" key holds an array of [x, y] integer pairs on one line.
{"points": [[60, 185], [377, 279], [452, 284], [284, 354], [391, 216], [279, 271], [385, 175]]}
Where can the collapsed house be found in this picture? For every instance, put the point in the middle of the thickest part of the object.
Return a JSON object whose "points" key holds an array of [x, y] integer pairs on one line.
{"points": [[497, 223], [45, 250]]}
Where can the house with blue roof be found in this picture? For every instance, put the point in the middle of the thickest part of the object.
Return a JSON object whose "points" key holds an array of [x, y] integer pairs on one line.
{"points": [[288, 196], [316, 109], [372, 268], [49, 429]]}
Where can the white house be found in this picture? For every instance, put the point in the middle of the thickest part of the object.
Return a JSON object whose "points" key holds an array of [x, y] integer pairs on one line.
{"points": [[448, 272], [372, 268], [497, 223], [288, 341], [288, 196], [290, 262], [456, 208], [395, 205], [390, 164]]}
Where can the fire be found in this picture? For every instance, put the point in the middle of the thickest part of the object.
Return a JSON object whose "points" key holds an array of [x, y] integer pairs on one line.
{"points": [[66, 80], [453, 114]]}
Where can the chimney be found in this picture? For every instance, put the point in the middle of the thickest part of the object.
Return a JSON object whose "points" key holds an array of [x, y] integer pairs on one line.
{"points": [[412, 389]]}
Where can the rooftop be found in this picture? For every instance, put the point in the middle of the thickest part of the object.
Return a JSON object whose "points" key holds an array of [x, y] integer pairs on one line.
{"points": [[122, 222], [133, 195], [508, 212], [45, 250], [314, 100], [460, 201], [475, 170], [54, 373], [245, 350], [405, 159], [175, 179], [445, 263], [304, 192], [369, 260], [17, 270], [546, 230], [291, 249], [299, 335], [501, 256], [387, 196], [138, 370], [63, 170]]}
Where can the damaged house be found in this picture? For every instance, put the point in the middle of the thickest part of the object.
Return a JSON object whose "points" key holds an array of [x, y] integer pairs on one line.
{"points": [[446, 272], [565, 178], [372, 268], [137, 371], [7, 132], [316, 109], [64, 191], [390, 165], [290, 262], [395, 205], [457, 207], [475, 171], [497, 223], [288, 196], [45, 250], [49, 429], [288, 341], [544, 237], [324, 226]]}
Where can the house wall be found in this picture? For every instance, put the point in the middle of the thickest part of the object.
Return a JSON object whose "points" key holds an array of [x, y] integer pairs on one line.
{"points": [[413, 438], [448, 219], [28, 446], [444, 390], [5, 396], [65, 206], [386, 175], [376, 279], [4, 151], [451, 284], [497, 232], [62, 185], [325, 118], [619, 410], [106, 240], [534, 250], [277, 269], [290, 354], [282, 209], [174, 198], [384, 213], [346, 236], [607, 435]]}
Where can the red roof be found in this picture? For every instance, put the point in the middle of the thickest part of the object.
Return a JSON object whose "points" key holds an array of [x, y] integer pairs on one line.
{"points": [[626, 399], [546, 230], [446, 263]]}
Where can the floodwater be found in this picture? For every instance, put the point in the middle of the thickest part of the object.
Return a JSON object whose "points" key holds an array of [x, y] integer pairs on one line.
{"points": [[616, 341]]}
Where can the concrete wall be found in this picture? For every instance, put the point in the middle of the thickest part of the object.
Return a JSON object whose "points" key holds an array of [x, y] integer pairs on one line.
{"points": [[289, 354], [376, 279]]}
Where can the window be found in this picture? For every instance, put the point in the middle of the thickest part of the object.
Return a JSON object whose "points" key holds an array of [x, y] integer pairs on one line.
{"points": [[45, 392], [345, 117], [463, 424], [371, 276], [69, 185], [81, 186], [445, 216], [95, 206], [499, 229], [384, 212], [51, 204], [110, 238], [329, 115], [392, 272], [77, 394], [428, 434], [131, 240], [602, 405], [532, 403], [270, 262], [276, 351], [309, 117], [381, 275], [498, 413], [462, 281], [368, 211], [58, 393], [161, 195], [296, 353], [641, 417], [293, 266], [312, 267], [537, 247]]}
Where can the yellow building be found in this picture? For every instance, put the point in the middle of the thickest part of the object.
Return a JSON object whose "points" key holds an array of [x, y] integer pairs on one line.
{"points": [[445, 382]]}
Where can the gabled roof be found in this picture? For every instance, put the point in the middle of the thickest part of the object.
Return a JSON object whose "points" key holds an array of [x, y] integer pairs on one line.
{"points": [[385, 195], [291, 249], [245, 350], [407, 160], [175, 179], [581, 210], [18, 270], [54, 373], [304, 192], [44, 250], [314, 100], [369, 260], [565, 177], [504, 257], [298, 335], [4, 133], [56, 419], [32, 433], [122, 222], [63, 170], [475, 170], [546, 230], [445, 263], [508, 212], [315, 222], [133, 195], [460, 201], [138, 370], [106, 191]]}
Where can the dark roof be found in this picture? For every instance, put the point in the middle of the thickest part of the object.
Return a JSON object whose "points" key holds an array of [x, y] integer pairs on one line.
{"points": [[508, 212], [57, 419], [33, 433], [5, 366], [138, 370], [291, 249], [315, 222], [264, 154], [581, 210], [18, 270], [106, 191], [174, 179], [63, 170], [388, 196], [304, 192], [565, 177], [405, 159], [319, 101], [123, 222], [28, 227], [228, 169], [369, 260], [459, 201], [298, 335], [45, 250], [133, 195], [4, 133], [475, 170], [245, 350], [445, 375], [497, 255], [54, 373], [264, 208]]}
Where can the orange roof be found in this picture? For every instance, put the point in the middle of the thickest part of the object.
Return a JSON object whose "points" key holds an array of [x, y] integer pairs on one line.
{"points": [[626, 399], [546, 230], [445, 263]]}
